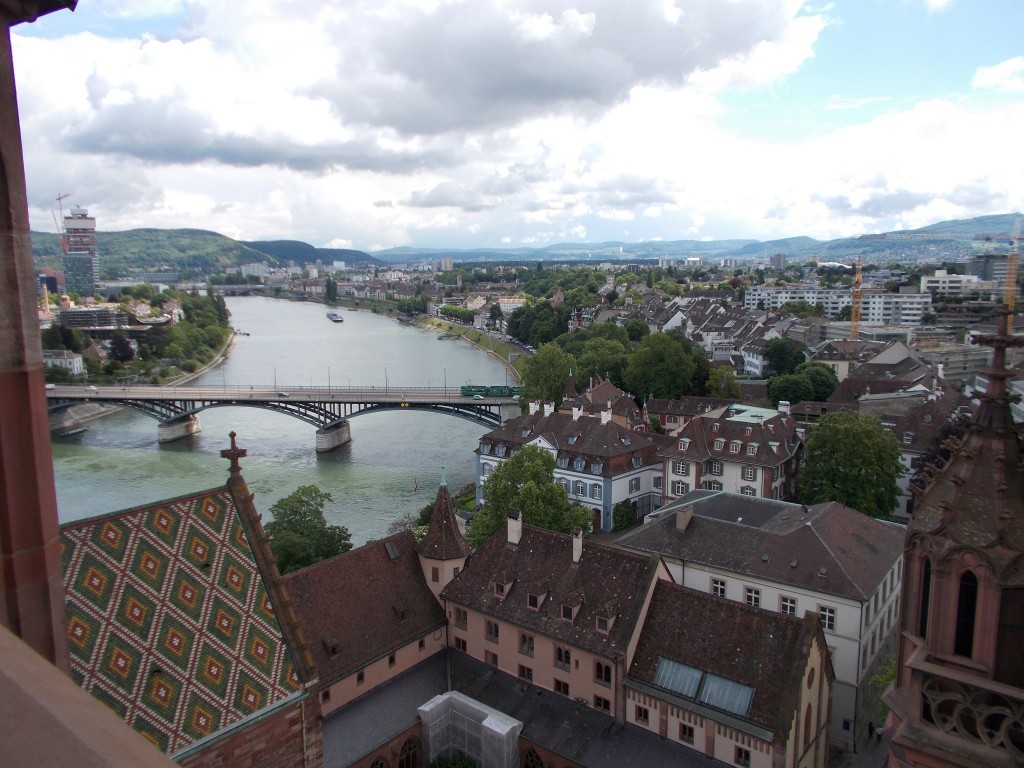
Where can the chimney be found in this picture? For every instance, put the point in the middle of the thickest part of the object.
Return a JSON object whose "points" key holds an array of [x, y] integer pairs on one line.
{"points": [[683, 517], [515, 526], [940, 370], [534, 406], [783, 406], [606, 416], [577, 412], [549, 408], [577, 544]]}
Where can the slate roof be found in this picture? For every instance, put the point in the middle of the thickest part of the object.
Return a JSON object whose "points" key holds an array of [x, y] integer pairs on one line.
{"points": [[363, 604], [174, 616], [443, 540], [830, 548], [765, 650], [687, 406], [611, 445], [773, 439], [607, 581]]}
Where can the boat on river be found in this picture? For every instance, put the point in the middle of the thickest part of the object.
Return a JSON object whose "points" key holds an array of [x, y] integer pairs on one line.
{"points": [[334, 317]]}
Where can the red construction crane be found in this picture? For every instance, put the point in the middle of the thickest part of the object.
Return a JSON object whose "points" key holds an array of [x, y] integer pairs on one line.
{"points": [[855, 304], [1010, 290], [60, 223]]}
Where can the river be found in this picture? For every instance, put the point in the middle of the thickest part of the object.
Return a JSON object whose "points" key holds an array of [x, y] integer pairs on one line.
{"points": [[392, 465]]}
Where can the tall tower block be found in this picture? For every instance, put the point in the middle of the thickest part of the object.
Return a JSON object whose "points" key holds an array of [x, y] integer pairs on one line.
{"points": [[81, 265]]}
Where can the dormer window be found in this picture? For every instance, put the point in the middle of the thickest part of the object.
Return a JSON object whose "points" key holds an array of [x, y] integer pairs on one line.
{"points": [[715, 426], [563, 461], [572, 439], [748, 431], [684, 444], [526, 433], [568, 614], [636, 461], [603, 624], [578, 465], [751, 449], [499, 450], [596, 467], [719, 444], [499, 589], [626, 441], [908, 438], [533, 602], [485, 448]]}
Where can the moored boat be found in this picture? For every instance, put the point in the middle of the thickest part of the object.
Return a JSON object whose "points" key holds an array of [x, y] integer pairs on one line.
{"points": [[334, 317]]}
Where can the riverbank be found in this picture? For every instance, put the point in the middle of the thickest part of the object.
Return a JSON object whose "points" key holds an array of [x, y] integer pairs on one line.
{"points": [[495, 348]]}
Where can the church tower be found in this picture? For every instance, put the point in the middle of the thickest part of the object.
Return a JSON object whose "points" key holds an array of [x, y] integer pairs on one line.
{"points": [[444, 549], [958, 695]]}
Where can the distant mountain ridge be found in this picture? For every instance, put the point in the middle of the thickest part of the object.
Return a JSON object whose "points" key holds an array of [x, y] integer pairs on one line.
{"points": [[199, 251]]}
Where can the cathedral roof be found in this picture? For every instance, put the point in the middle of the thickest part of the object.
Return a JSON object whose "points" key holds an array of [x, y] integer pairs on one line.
{"points": [[977, 498], [444, 540]]}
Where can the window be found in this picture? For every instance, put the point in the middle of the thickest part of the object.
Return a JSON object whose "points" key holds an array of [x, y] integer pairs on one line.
{"points": [[409, 757], [492, 631], [526, 644], [455, 571], [787, 605], [753, 597], [636, 461], [578, 465], [562, 687], [908, 438], [602, 704], [460, 644], [634, 484], [679, 488], [485, 448], [752, 449], [712, 485], [715, 426], [686, 733], [325, 696], [532, 601], [657, 482], [487, 469], [596, 467], [564, 483], [747, 431], [581, 488], [525, 673], [435, 574], [360, 677], [499, 589], [742, 757], [734, 447], [596, 492], [532, 760], [749, 472], [602, 673], [491, 658], [562, 658], [391, 660], [423, 644], [719, 444], [460, 618], [563, 461], [499, 450], [966, 610], [716, 468], [748, 490], [641, 715], [567, 612], [602, 624], [684, 444], [673, 420], [828, 617], [718, 587], [681, 468]]}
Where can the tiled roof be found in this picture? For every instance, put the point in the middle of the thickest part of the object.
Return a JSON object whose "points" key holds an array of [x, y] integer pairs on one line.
{"points": [[830, 549], [687, 405], [444, 540], [611, 582], [773, 440], [170, 621], [714, 635], [362, 604]]}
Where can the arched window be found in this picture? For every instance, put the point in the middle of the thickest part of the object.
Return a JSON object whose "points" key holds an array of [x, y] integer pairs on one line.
{"points": [[807, 726], [966, 608], [532, 760], [409, 757], [926, 594], [380, 762]]}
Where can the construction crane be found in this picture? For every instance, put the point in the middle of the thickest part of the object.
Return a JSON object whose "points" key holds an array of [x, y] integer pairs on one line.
{"points": [[1010, 290], [855, 304]]}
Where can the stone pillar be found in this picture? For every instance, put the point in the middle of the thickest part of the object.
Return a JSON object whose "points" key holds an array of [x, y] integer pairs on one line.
{"points": [[31, 581], [175, 430], [330, 438]]}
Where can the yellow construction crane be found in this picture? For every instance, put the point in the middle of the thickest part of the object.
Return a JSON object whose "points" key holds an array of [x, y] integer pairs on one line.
{"points": [[1010, 290], [855, 304]]}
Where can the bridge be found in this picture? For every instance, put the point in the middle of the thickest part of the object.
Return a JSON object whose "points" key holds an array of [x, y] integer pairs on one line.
{"points": [[327, 408]]}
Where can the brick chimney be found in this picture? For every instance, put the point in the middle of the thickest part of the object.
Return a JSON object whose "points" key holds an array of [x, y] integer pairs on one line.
{"points": [[606, 416], [534, 406], [783, 406], [683, 517], [577, 544], [577, 412], [515, 526]]}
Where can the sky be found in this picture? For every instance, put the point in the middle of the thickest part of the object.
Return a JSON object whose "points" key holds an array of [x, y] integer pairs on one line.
{"points": [[373, 124]]}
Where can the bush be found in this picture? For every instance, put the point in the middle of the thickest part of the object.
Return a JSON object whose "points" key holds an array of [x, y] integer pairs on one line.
{"points": [[623, 515]]}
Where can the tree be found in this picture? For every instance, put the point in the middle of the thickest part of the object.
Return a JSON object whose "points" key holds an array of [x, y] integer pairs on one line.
{"points": [[660, 367], [821, 376], [605, 357], [722, 382], [791, 388], [636, 329], [299, 533], [525, 481], [783, 355], [851, 459], [545, 374], [121, 348]]}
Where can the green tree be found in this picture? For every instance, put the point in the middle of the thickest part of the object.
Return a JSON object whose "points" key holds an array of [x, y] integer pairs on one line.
{"points": [[783, 355], [545, 374], [791, 388], [525, 481], [821, 376], [722, 382], [299, 533], [121, 348], [661, 367], [851, 459], [636, 329], [605, 357]]}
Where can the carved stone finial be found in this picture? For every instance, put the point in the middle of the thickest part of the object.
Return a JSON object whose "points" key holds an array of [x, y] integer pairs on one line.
{"points": [[234, 453], [443, 481]]}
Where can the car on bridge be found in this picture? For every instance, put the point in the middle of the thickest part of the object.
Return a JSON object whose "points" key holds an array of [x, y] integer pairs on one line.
{"points": [[282, 394]]}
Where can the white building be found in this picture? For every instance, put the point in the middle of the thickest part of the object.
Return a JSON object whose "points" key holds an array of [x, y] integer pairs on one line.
{"points": [[876, 307], [62, 358], [830, 559]]}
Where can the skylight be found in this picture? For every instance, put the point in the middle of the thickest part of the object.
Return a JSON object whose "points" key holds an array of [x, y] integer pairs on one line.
{"points": [[704, 687]]}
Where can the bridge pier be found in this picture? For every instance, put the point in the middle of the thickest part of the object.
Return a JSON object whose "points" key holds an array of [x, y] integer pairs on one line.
{"points": [[175, 430], [330, 438]]}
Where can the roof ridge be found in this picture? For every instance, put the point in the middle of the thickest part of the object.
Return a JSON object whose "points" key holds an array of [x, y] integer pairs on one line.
{"points": [[839, 563]]}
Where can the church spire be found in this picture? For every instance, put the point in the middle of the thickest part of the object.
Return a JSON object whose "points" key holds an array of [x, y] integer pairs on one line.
{"points": [[443, 550]]}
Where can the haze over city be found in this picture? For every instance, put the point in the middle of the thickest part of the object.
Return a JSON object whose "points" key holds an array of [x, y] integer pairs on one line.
{"points": [[486, 124]]}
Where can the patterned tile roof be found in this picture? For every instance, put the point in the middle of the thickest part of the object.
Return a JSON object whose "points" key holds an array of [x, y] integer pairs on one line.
{"points": [[169, 618], [714, 635], [607, 581], [830, 548], [444, 540], [362, 604]]}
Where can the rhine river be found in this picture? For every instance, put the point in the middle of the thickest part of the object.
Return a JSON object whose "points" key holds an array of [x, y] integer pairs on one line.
{"points": [[391, 467]]}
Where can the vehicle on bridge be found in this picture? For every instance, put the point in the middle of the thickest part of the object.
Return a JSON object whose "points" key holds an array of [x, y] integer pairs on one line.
{"points": [[497, 390]]}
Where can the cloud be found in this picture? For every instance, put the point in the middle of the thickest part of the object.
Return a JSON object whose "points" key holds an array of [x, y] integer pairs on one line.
{"points": [[1007, 76]]}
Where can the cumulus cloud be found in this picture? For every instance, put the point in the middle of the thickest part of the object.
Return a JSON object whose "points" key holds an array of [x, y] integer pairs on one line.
{"points": [[1007, 76]]}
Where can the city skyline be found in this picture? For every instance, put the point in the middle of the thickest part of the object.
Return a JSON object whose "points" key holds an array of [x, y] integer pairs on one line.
{"points": [[448, 124]]}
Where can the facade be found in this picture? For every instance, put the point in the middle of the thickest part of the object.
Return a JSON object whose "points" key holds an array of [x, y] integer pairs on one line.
{"points": [[881, 308], [737, 448], [600, 463], [62, 358], [81, 265], [944, 284], [827, 559], [176, 620], [843, 354], [958, 696]]}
